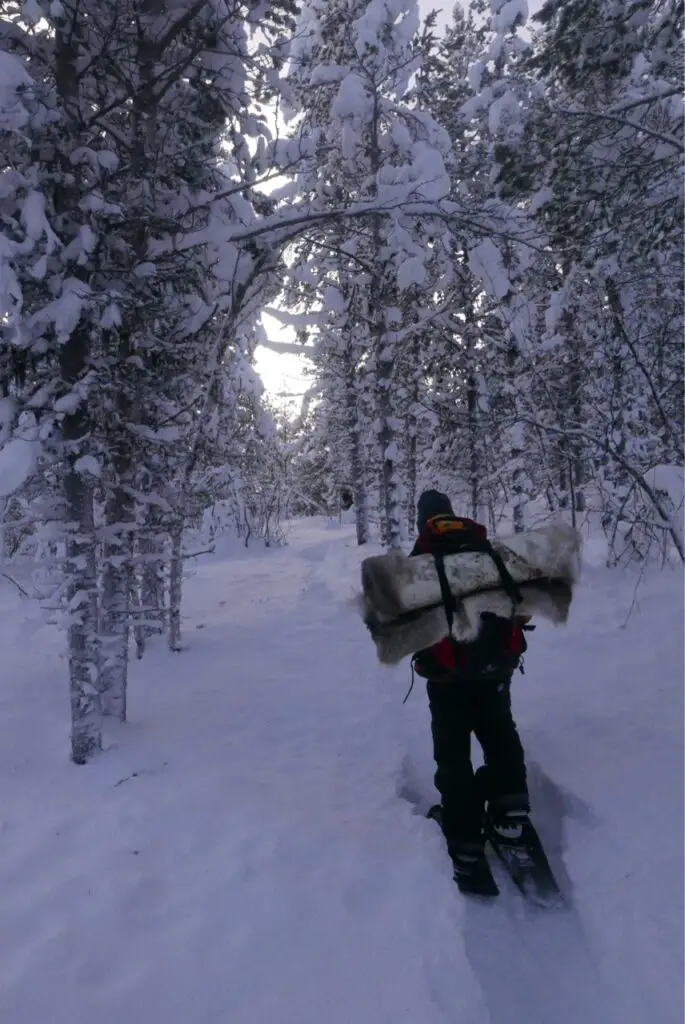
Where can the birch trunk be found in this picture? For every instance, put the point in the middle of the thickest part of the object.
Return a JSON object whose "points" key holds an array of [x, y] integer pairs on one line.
{"points": [[81, 597], [150, 591], [74, 359], [391, 506], [116, 605], [412, 431]]}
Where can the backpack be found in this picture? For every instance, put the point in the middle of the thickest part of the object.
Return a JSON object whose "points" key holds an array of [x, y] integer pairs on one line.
{"points": [[500, 644]]}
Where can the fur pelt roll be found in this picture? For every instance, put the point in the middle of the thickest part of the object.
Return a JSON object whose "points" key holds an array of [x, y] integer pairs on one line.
{"points": [[402, 606]]}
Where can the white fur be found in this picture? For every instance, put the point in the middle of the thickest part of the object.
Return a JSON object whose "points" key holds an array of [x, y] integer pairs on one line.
{"points": [[394, 584], [402, 605], [410, 633]]}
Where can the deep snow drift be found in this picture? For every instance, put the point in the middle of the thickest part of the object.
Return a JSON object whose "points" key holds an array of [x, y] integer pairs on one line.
{"points": [[252, 849]]}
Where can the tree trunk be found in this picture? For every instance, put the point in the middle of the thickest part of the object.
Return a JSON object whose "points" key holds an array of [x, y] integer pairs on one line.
{"points": [[412, 432], [81, 595], [152, 583], [576, 466], [517, 448], [150, 612], [81, 557], [410, 503], [361, 503], [474, 461], [361, 498], [4, 538], [175, 588], [472, 416], [80, 570], [391, 506], [518, 473], [116, 604]]}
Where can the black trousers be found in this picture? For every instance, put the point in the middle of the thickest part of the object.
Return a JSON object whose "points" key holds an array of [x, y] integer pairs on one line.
{"points": [[482, 707]]}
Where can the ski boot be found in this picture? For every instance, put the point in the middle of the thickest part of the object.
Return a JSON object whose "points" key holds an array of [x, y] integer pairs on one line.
{"points": [[471, 869]]}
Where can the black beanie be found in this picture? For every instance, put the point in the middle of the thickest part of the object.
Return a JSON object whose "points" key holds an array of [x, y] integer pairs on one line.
{"points": [[432, 503]]}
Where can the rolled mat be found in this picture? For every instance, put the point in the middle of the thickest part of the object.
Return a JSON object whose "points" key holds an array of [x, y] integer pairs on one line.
{"points": [[402, 605]]}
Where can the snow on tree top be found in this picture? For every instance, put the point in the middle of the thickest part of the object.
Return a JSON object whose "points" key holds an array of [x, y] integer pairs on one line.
{"points": [[508, 15], [13, 75], [327, 74], [352, 98], [403, 15]]}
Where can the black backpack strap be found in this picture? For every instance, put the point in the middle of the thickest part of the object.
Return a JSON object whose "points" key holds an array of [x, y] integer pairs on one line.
{"points": [[508, 584], [448, 599]]}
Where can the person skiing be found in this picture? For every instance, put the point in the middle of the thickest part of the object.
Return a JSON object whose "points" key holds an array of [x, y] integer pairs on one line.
{"points": [[468, 688]]}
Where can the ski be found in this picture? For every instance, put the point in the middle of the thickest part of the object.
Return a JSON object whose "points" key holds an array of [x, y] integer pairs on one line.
{"points": [[519, 848]]}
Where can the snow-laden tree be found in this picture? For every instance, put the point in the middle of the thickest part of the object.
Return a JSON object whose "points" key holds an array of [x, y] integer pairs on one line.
{"points": [[349, 82], [122, 293], [47, 239], [607, 126], [498, 300], [482, 336], [574, 358]]}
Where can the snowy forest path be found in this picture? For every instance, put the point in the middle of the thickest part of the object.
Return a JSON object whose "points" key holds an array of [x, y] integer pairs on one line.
{"points": [[339, 889], [248, 849]]}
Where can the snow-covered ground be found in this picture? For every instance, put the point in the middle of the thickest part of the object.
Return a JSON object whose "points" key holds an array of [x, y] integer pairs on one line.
{"points": [[252, 848]]}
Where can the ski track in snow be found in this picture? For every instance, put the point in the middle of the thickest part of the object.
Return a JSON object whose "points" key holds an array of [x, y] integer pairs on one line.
{"points": [[252, 846]]}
